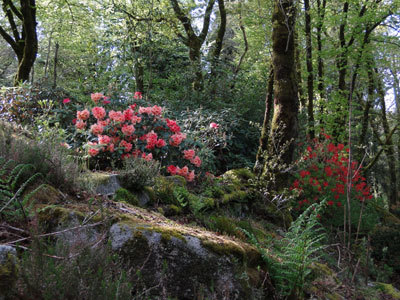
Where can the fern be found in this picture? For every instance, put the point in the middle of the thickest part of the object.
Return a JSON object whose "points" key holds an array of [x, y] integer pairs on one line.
{"points": [[290, 265], [12, 185], [181, 195]]}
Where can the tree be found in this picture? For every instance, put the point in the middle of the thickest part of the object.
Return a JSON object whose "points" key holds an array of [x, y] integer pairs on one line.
{"points": [[284, 124], [194, 41], [23, 37]]}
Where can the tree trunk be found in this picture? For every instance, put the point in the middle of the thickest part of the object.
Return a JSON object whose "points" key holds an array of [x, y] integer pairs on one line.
{"points": [[219, 40], [259, 165], [30, 49], [284, 125], [310, 74], [391, 159], [55, 65], [321, 87]]}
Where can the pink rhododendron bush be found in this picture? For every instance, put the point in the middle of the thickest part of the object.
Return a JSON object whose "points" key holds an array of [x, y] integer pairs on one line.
{"points": [[137, 131]]}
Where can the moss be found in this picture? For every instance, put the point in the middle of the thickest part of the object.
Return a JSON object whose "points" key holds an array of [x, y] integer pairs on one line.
{"points": [[150, 192], [388, 289], [176, 210], [124, 195], [164, 190], [237, 196], [209, 202], [225, 248], [53, 215], [8, 274], [229, 188], [333, 296], [45, 195]]}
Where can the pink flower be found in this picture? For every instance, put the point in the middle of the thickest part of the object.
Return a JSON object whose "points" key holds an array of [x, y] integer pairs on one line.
{"points": [[183, 172], [74, 121], [66, 100], [83, 115], [128, 129], [110, 148], [98, 112], [96, 129], [196, 161], [136, 119], [214, 125], [145, 110], [136, 153], [104, 139], [188, 154], [190, 176], [176, 139], [128, 114], [93, 151], [116, 116], [160, 143], [127, 146], [151, 139], [138, 95], [80, 124], [106, 102], [172, 169], [156, 110], [96, 97], [103, 122], [173, 126], [148, 157]]}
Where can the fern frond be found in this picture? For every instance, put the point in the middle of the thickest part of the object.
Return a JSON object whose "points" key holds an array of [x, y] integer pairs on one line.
{"points": [[19, 173]]}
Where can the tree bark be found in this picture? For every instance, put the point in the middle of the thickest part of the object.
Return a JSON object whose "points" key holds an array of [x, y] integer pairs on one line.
{"points": [[55, 65], [390, 153], [193, 41], [310, 72], [260, 158], [284, 125], [220, 38]]}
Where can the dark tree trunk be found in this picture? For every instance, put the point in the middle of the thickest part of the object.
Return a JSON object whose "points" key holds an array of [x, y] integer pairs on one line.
{"points": [[310, 72], [259, 165], [193, 41], [321, 86], [219, 40], [284, 125], [139, 74], [55, 65], [391, 158]]}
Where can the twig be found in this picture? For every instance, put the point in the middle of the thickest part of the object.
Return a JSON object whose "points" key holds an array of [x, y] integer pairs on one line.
{"points": [[58, 232]]}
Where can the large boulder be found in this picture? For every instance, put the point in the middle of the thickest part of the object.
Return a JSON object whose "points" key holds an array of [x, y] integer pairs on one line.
{"points": [[188, 264]]}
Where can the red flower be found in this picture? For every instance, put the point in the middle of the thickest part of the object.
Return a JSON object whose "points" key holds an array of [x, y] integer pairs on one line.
{"points": [[138, 95], [66, 100]]}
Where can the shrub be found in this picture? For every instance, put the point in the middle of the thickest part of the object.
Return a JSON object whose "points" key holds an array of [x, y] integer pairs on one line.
{"points": [[324, 173], [113, 136], [138, 173], [48, 155]]}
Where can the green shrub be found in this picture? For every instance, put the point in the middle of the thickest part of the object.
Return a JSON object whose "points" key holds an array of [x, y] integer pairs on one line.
{"points": [[56, 273], [47, 154], [138, 173], [124, 195]]}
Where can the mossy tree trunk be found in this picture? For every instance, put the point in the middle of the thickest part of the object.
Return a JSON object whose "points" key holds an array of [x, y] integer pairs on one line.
{"points": [[24, 42], [284, 125]]}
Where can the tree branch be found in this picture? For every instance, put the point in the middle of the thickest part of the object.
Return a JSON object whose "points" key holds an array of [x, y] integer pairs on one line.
{"points": [[206, 21]]}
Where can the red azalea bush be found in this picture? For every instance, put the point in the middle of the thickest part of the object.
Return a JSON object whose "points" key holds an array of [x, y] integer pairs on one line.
{"points": [[324, 175], [136, 132]]}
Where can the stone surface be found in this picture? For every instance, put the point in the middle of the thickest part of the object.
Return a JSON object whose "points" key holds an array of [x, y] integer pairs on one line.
{"points": [[183, 265]]}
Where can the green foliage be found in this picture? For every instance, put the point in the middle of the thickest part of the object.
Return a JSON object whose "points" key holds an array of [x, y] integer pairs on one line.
{"points": [[181, 195], [47, 154], [297, 251], [124, 195], [13, 182], [138, 173], [49, 272]]}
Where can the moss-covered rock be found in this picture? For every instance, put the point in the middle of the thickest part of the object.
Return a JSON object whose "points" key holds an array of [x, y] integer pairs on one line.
{"points": [[388, 290], [210, 264], [46, 194], [239, 175], [8, 269], [124, 195]]}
